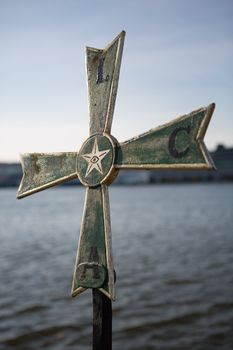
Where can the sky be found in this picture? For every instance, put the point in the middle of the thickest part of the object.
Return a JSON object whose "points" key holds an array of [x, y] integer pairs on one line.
{"points": [[178, 57]]}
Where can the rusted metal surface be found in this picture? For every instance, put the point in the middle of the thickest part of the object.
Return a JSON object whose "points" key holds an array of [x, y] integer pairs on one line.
{"points": [[178, 144], [94, 267], [43, 170], [103, 69], [95, 164]]}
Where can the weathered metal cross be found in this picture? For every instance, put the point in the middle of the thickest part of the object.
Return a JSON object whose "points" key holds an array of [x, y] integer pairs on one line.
{"points": [[176, 145]]}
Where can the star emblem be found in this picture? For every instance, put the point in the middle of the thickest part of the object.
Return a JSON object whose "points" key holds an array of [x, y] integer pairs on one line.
{"points": [[94, 159]]}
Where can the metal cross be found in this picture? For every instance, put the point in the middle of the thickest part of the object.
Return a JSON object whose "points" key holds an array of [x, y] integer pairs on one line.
{"points": [[176, 145]]}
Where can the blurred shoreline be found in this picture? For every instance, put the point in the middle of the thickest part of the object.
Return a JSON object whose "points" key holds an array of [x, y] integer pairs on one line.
{"points": [[11, 173]]}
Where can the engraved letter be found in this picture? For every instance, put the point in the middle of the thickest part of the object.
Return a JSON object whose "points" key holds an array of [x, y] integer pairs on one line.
{"points": [[100, 77], [93, 264], [172, 142]]}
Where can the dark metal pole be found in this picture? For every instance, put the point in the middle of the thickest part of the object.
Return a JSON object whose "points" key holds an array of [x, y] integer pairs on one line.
{"points": [[102, 321]]}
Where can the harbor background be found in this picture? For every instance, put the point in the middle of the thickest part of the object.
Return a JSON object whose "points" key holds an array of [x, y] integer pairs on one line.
{"points": [[172, 230], [172, 247], [11, 173]]}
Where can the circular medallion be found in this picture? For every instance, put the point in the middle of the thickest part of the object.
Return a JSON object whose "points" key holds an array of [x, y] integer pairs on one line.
{"points": [[95, 161]]}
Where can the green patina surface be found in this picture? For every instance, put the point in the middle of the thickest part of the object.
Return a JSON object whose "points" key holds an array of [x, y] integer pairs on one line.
{"points": [[102, 75], [177, 144], [44, 170], [95, 177], [152, 148], [91, 275], [99, 92], [92, 236]]}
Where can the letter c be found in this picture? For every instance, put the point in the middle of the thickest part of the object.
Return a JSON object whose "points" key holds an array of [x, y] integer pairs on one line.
{"points": [[172, 142]]}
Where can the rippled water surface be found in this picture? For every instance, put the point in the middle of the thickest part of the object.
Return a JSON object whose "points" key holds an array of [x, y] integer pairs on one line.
{"points": [[173, 254]]}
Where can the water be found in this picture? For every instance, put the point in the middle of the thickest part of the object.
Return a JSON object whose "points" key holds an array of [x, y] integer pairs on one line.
{"points": [[173, 257]]}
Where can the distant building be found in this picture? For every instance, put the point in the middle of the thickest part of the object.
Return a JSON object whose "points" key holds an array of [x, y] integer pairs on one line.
{"points": [[10, 174], [223, 159], [133, 177]]}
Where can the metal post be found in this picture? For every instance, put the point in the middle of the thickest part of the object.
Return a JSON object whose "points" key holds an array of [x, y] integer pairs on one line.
{"points": [[102, 321]]}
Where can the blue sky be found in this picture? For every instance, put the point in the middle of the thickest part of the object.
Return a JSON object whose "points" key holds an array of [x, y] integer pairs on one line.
{"points": [[177, 57]]}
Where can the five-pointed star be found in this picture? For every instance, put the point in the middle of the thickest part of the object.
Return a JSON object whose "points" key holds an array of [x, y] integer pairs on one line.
{"points": [[94, 159]]}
